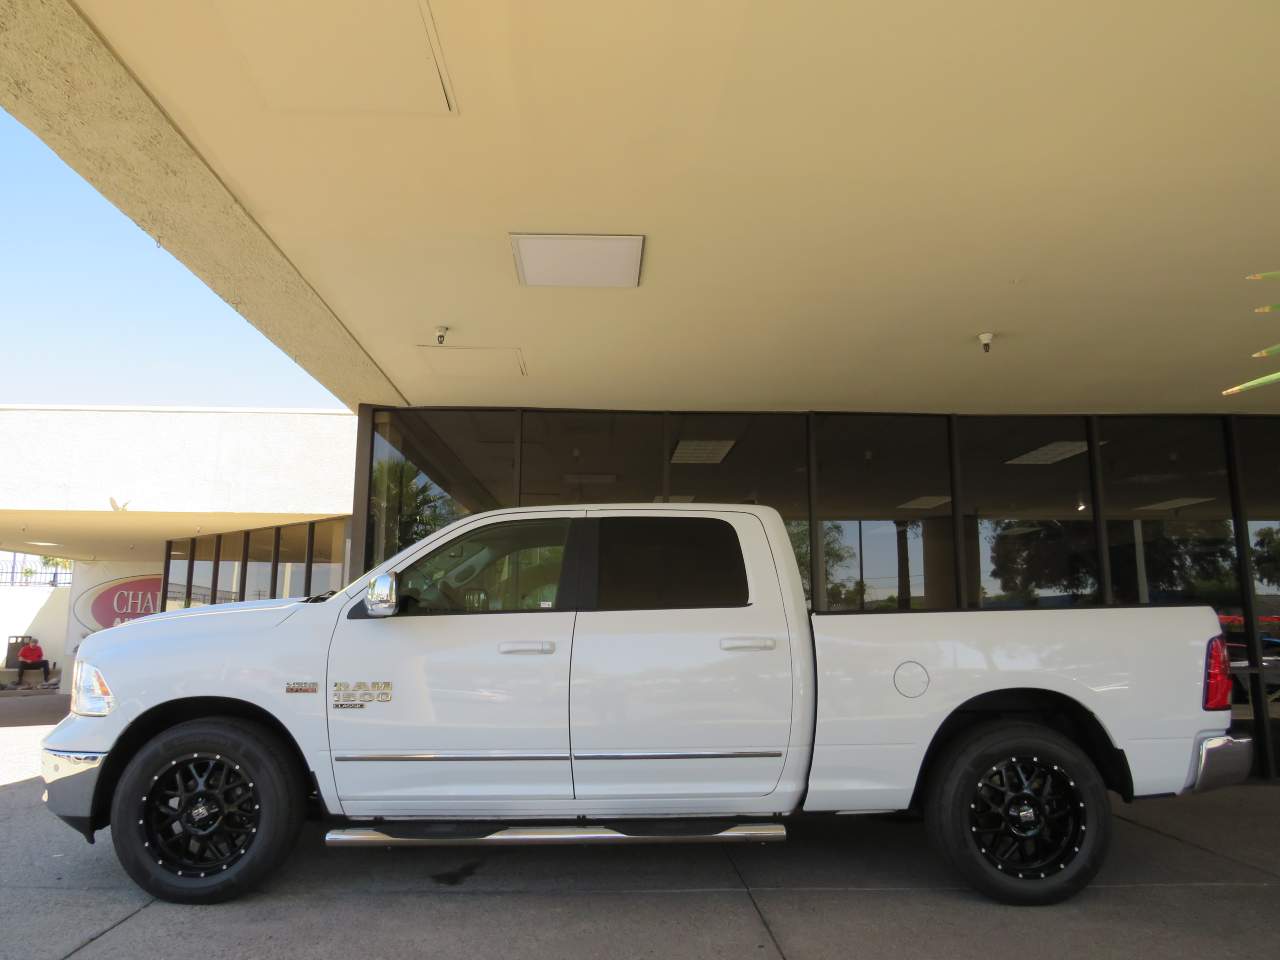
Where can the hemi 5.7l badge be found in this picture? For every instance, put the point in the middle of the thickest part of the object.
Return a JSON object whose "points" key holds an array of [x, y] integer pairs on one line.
{"points": [[353, 696], [301, 686]]}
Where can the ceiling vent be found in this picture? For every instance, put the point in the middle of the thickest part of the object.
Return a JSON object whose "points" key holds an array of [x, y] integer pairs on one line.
{"points": [[577, 259], [701, 451]]}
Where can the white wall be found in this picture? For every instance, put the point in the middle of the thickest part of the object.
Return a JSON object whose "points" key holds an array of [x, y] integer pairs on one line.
{"points": [[40, 612], [183, 460]]}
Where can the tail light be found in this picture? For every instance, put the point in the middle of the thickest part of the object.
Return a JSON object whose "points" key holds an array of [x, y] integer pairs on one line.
{"points": [[1217, 676]]}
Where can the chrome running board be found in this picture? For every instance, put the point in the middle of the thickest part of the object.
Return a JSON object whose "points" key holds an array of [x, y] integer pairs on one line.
{"points": [[403, 834]]}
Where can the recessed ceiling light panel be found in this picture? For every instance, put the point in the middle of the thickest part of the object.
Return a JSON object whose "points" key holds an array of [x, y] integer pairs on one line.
{"points": [[1053, 452], [1176, 504], [577, 259], [701, 451], [924, 503]]}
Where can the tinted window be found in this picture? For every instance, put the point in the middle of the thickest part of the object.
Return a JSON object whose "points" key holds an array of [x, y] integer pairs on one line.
{"points": [[651, 563], [499, 568]]}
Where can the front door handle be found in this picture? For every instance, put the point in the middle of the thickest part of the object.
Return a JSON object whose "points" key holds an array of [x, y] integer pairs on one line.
{"points": [[747, 643], [527, 646]]}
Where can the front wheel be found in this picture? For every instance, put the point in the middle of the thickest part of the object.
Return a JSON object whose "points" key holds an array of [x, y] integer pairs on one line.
{"points": [[205, 810], [1020, 812]]}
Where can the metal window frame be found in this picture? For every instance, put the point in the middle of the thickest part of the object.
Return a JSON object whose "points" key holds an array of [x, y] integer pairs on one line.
{"points": [[191, 570], [217, 560], [311, 547], [164, 575], [275, 561], [244, 565]]}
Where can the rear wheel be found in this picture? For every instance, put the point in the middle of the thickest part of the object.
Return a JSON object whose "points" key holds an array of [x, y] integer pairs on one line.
{"points": [[1020, 812], [205, 810]]}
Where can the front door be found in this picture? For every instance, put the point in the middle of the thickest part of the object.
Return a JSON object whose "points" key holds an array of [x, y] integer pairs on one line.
{"points": [[681, 680], [461, 698]]}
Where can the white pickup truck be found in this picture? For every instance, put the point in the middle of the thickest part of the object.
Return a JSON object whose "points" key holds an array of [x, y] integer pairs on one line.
{"points": [[621, 674]]}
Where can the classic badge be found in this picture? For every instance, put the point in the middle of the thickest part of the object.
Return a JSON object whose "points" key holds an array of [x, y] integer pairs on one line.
{"points": [[301, 686]]}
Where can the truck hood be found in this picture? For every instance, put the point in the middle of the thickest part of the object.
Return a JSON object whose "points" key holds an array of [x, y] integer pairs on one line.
{"points": [[242, 618]]}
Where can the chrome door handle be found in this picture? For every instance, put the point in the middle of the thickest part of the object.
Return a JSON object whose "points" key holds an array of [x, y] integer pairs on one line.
{"points": [[747, 643], [527, 646]]}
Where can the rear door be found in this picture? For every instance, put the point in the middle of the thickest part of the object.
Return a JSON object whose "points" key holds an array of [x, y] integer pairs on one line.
{"points": [[681, 677]]}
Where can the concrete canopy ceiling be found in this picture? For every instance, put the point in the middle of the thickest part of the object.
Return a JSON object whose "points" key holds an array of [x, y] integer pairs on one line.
{"points": [[836, 197]]}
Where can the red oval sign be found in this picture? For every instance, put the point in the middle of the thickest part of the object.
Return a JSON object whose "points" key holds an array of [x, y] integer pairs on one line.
{"points": [[125, 600]]}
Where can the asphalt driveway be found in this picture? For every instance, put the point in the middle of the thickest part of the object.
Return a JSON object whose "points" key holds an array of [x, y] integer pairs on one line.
{"points": [[1189, 878]]}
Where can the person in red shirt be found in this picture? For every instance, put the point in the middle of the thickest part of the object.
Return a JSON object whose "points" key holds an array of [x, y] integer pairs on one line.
{"points": [[31, 657]]}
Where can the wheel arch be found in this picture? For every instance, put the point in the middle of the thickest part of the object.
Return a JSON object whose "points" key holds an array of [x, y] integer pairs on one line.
{"points": [[165, 715], [1048, 707]]}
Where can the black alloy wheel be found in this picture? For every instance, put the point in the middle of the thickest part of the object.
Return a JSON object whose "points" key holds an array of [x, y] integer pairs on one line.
{"points": [[1019, 811], [1028, 818], [207, 809], [200, 815]]}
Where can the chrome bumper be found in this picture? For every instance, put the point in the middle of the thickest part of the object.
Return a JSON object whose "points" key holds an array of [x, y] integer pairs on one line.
{"points": [[1223, 761], [70, 777]]}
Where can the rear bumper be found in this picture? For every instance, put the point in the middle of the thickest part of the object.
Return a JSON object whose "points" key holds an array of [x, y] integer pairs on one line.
{"points": [[70, 778], [1223, 762]]}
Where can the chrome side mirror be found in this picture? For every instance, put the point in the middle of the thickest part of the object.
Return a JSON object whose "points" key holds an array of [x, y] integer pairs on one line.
{"points": [[381, 599]]}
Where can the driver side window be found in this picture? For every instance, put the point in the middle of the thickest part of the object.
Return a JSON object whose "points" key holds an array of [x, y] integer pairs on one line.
{"points": [[500, 568]]}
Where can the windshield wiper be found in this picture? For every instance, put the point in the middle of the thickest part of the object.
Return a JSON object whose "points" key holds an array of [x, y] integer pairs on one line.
{"points": [[320, 597]]}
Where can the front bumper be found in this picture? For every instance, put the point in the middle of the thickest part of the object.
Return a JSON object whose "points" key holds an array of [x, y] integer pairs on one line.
{"points": [[1223, 762], [70, 778]]}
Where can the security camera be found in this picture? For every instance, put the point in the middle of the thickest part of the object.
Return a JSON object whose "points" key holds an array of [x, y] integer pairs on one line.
{"points": [[441, 332]]}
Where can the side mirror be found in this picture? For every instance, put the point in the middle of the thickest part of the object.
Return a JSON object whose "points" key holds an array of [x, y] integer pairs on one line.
{"points": [[381, 599]]}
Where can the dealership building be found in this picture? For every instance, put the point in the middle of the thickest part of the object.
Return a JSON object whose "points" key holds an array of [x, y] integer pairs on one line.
{"points": [[962, 303]]}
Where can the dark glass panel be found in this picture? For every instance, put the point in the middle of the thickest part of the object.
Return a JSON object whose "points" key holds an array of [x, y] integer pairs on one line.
{"points": [[202, 572], [759, 458], [328, 555], [588, 457], [655, 563], [229, 563], [258, 576], [1169, 511], [1030, 539], [292, 569], [179, 567], [430, 467], [884, 508]]}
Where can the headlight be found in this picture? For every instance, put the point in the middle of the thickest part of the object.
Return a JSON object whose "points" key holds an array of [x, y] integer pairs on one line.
{"points": [[90, 695]]}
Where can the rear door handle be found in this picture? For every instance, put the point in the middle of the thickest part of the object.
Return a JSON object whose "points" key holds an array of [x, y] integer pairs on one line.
{"points": [[747, 643], [527, 646]]}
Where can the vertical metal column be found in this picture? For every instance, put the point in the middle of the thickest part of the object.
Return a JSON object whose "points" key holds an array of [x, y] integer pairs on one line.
{"points": [[518, 464], [213, 579], [311, 549], [244, 566], [1266, 758], [666, 457], [957, 519], [1092, 437], [164, 574], [191, 572], [275, 560], [360, 496], [817, 542]]}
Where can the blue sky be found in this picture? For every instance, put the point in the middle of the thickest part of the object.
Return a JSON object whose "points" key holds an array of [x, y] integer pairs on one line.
{"points": [[92, 311]]}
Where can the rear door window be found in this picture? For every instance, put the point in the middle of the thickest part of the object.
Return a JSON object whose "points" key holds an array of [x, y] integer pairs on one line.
{"points": [[654, 563]]}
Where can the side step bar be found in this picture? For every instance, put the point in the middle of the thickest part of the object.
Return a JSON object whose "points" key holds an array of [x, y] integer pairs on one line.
{"points": [[413, 835]]}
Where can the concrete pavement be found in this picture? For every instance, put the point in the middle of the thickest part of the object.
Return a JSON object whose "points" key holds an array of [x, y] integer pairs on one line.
{"points": [[1186, 878]]}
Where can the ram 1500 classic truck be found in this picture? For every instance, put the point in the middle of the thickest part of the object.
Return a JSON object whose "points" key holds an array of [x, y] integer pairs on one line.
{"points": [[620, 674]]}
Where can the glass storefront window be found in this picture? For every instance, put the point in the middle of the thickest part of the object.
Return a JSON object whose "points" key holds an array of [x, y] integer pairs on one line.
{"points": [[202, 572], [430, 467], [257, 584], [1168, 511], [230, 557], [179, 567], [745, 458], [884, 509], [291, 570], [585, 457], [1027, 512], [328, 556]]}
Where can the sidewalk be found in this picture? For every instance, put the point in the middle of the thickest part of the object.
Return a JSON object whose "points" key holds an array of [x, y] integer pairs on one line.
{"points": [[1187, 878]]}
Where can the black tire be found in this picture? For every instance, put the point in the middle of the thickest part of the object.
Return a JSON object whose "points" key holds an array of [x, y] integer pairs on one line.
{"points": [[1020, 812], [207, 809]]}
